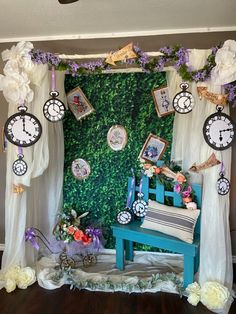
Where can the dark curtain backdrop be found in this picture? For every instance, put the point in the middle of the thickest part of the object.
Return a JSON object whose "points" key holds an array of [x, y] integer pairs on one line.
{"points": [[122, 98]]}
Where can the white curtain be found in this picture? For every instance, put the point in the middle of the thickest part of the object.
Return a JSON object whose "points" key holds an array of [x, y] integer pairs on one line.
{"points": [[38, 204], [189, 146]]}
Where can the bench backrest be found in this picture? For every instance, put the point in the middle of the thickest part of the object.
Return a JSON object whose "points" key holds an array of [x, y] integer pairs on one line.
{"points": [[160, 194]]}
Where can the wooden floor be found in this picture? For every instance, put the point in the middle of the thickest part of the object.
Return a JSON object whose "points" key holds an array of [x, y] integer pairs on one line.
{"points": [[36, 300]]}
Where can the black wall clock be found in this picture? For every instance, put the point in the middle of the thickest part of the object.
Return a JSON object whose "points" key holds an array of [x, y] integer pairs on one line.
{"points": [[183, 101], [223, 185], [140, 206], [124, 217], [219, 130], [23, 129], [19, 166], [54, 109]]}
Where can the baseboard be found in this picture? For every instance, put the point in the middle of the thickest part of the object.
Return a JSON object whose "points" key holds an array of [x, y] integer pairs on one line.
{"points": [[2, 246]]}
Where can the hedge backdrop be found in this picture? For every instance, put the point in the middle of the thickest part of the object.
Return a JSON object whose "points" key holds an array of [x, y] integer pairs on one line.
{"points": [[120, 98]]}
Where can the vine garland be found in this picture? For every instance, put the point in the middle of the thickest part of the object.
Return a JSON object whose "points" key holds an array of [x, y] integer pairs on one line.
{"points": [[176, 56]]}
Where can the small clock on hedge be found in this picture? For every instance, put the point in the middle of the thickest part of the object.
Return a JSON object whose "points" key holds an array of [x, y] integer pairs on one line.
{"points": [[23, 129], [183, 101], [140, 206], [19, 166], [124, 217], [54, 109], [219, 130], [223, 185]]}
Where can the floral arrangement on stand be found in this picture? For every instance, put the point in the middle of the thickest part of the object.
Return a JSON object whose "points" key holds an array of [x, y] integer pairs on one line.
{"points": [[72, 234], [173, 178]]}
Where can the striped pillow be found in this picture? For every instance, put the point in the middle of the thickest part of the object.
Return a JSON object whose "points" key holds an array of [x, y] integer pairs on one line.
{"points": [[174, 221]]}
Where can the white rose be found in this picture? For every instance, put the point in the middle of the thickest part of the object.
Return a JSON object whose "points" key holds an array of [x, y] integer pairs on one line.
{"points": [[26, 277], [148, 173], [17, 52], [193, 299], [193, 288], [10, 285], [12, 272], [225, 69], [16, 88], [214, 295], [11, 67]]}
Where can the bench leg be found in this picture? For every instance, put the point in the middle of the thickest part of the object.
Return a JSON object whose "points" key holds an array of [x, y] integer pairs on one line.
{"points": [[196, 262], [188, 270], [129, 251], [120, 253]]}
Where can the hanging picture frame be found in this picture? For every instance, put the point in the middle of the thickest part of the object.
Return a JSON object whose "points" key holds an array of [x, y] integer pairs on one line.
{"points": [[153, 148], [163, 104], [78, 103], [80, 169], [117, 137]]}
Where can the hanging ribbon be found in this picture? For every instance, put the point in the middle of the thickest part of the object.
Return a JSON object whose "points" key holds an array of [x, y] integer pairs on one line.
{"points": [[222, 169], [4, 141], [141, 184], [130, 190], [53, 80]]}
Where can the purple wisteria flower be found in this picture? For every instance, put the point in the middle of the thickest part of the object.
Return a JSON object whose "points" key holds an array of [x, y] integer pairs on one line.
{"points": [[177, 188]]}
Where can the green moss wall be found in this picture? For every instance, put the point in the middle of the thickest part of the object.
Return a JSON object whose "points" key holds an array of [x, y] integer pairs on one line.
{"points": [[118, 99]]}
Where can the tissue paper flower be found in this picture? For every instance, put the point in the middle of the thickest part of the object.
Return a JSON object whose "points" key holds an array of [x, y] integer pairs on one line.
{"points": [[214, 295]]}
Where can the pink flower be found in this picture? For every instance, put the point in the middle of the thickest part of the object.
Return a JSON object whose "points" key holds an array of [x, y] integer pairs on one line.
{"points": [[177, 188], [187, 192]]}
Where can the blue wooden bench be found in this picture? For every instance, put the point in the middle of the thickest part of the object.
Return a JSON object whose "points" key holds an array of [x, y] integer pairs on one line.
{"points": [[126, 235]]}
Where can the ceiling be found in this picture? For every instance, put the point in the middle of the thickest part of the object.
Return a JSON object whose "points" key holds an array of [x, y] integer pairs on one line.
{"points": [[102, 25]]}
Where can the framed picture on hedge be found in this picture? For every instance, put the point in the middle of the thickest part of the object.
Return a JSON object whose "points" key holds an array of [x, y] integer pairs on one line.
{"points": [[153, 148], [78, 103], [162, 101], [117, 137]]}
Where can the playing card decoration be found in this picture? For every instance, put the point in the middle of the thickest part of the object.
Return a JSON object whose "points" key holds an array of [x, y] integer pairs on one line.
{"points": [[54, 109]]}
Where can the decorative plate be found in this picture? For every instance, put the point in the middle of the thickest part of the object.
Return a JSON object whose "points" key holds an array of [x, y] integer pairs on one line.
{"points": [[80, 169], [117, 137]]}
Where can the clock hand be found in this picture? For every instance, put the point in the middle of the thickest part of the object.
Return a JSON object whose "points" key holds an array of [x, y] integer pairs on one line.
{"points": [[24, 130], [57, 111], [225, 130]]}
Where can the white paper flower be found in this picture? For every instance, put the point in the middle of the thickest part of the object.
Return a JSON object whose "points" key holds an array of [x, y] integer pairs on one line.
{"points": [[10, 285], [191, 205], [193, 288], [16, 88], [26, 277], [12, 272], [214, 295], [11, 67], [149, 173], [193, 299], [225, 70], [17, 52]]}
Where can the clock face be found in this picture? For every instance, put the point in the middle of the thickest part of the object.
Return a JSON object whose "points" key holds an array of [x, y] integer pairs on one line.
{"points": [[223, 186], [124, 217], [19, 167], [54, 110], [140, 207], [219, 131], [23, 129], [183, 102]]}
